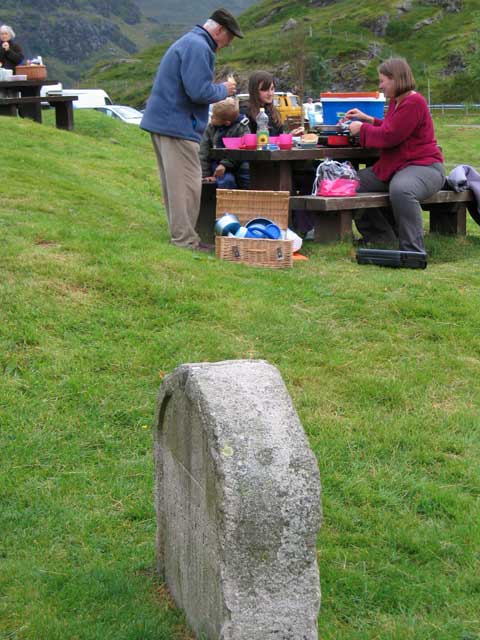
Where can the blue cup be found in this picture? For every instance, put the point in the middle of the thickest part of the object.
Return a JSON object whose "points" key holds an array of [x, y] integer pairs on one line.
{"points": [[241, 232], [228, 223]]}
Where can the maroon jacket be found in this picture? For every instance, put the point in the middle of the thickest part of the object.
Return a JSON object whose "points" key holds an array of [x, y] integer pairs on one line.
{"points": [[405, 137]]}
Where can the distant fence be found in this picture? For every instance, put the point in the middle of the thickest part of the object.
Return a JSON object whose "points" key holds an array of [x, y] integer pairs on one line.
{"points": [[466, 108]]}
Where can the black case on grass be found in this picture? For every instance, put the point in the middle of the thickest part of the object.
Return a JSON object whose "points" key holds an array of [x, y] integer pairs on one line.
{"points": [[392, 258]]}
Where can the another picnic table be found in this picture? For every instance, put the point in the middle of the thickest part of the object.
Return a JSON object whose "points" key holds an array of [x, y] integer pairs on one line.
{"points": [[29, 102]]}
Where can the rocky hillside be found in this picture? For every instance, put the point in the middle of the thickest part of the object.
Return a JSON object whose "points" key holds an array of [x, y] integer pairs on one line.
{"points": [[73, 35], [70, 35], [337, 44], [320, 45], [166, 12], [310, 45]]}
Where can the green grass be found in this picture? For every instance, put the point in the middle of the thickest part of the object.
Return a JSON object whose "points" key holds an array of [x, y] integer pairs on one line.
{"points": [[96, 307]]}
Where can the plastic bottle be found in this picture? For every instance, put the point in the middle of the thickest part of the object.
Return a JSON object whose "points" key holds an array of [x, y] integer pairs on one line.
{"points": [[262, 129]]}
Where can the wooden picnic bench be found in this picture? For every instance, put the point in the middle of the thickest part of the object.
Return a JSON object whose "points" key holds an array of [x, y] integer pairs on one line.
{"points": [[333, 216], [62, 104]]}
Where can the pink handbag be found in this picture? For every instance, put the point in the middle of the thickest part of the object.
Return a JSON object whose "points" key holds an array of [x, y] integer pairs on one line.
{"points": [[337, 187]]}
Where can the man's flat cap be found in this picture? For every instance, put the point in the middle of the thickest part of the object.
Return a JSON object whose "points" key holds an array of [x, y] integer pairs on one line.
{"points": [[225, 18]]}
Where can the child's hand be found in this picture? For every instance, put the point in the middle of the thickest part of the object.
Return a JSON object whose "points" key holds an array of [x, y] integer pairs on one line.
{"points": [[209, 179], [219, 171]]}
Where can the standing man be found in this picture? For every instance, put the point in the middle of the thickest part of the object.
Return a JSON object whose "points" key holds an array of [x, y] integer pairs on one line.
{"points": [[177, 114]]}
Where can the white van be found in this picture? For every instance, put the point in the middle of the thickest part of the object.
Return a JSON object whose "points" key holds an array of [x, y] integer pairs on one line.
{"points": [[51, 89], [88, 98]]}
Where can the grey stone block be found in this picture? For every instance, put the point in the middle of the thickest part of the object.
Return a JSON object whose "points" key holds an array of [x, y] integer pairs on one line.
{"points": [[237, 496]]}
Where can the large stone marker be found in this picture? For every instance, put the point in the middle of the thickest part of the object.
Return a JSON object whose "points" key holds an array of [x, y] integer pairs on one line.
{"points": [[237, 495]]}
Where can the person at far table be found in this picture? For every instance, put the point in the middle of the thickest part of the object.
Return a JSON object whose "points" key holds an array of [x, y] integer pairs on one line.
{"points": [[176, 117], [226, 122], [261, 92], [410, 167], [11, 52]]}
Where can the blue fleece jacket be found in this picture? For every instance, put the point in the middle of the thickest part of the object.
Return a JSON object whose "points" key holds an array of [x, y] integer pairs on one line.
{"points": [[183, 88]]}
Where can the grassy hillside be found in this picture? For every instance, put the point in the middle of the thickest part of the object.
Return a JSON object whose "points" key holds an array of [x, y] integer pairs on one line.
{"points": [[382, 366], [167, 11], [338, 47]]}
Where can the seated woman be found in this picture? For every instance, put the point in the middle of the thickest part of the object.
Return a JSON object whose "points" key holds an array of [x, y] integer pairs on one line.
{"points": [[225, 122], [410, 167], [11, 53]]}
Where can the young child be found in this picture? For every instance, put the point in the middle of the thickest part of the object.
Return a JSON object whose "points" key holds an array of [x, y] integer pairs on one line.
{"points": [[225, 122]]}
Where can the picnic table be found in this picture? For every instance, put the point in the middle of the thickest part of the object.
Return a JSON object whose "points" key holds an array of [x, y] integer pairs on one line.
{"points": [[332, 217], [29, 102], [273, 170]]}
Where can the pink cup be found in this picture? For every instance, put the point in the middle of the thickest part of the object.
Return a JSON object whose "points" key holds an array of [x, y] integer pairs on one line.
{"points": [[250, 140], [285, 141]]}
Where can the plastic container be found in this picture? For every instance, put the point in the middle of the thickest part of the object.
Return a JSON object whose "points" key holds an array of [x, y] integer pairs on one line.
{"points": [[232, 143], [338, 141], [335, 105], [250, 141], [228, 223], [285, 141]]}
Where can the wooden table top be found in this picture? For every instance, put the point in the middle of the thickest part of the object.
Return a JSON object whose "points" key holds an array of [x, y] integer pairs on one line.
{"points": [[10, 84], [318, 153]]}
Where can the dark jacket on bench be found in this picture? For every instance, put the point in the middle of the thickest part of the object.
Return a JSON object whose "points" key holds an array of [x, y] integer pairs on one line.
{"points": [[464, 177], [9, 59]]}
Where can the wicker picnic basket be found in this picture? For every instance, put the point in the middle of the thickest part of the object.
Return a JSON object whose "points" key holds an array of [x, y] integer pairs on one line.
{"points": [[273, 205], [32, 71]]}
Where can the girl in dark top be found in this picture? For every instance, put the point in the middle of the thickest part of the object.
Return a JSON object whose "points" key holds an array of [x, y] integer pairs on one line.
{"points": [[410, 167], [11, 53], [261, 89]]}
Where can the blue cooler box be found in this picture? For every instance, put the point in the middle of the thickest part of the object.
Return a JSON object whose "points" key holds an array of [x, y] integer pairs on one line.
{"points": [[335, 106]]}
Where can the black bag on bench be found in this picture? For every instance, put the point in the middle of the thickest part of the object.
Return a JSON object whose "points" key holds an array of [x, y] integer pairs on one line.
{"points": [[392, 258]]}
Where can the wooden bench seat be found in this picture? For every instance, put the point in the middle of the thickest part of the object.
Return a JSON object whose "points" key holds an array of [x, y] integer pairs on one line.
{"points": [[333, 216], [31, 108]]}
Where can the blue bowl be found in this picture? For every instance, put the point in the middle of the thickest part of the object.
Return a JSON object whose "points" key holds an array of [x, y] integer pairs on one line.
{"points": [[270, 231], [273, 231], [262, 221], [256, 231]]}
